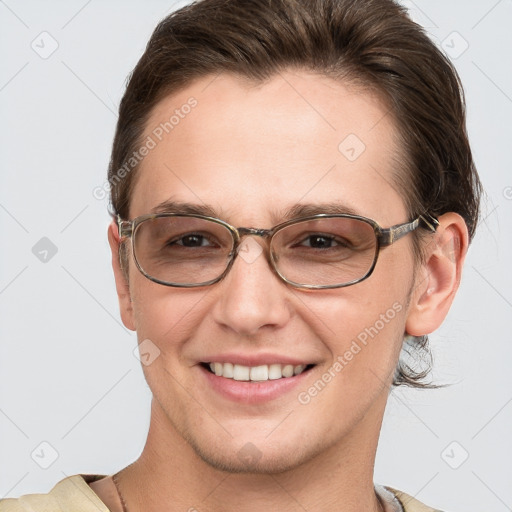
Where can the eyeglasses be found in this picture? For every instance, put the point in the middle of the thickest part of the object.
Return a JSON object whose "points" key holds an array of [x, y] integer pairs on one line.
{"points": [[316, 252]]}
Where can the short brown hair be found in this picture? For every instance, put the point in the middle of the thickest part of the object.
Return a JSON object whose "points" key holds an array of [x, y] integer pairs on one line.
{"points": [[372, 43]]}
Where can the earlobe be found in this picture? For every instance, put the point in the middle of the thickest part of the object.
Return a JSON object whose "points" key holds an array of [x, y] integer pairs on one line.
{"points": [[122, 285], [438, 279]]}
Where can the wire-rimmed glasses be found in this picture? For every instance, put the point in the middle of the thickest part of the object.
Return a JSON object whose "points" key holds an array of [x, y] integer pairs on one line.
{"points": [[317, 252]]}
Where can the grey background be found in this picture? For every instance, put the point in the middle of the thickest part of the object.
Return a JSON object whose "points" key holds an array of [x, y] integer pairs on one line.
{"points": [[68, 376]]}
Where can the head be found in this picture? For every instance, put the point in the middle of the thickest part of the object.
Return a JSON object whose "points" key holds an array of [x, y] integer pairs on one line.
{"points": [[252, 107]]}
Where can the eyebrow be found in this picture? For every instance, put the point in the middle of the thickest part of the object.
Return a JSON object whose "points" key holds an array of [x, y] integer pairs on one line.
{"points": [[293, 212], [309, 209], [170, 206]]}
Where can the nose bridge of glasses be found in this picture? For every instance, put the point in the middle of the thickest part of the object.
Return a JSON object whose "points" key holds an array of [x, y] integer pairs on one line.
{"points": [[264, 233], [243, 232]]}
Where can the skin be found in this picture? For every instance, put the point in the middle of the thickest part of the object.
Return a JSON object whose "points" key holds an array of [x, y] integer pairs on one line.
{"points": [[250, 152]]}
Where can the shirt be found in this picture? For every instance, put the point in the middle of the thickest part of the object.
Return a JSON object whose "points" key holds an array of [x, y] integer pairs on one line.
{"points": [[73, 494]]}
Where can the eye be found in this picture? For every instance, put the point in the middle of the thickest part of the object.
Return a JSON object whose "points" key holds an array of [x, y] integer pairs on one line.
{"points": [[320, 241], [192, 240]]}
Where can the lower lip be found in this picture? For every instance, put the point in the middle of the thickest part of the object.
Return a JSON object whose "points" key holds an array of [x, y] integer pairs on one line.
{"points": [[250, 392]]}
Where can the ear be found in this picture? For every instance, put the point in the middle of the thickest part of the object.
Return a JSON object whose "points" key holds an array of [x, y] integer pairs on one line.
{"points": [[438, 279], [122, 285]]}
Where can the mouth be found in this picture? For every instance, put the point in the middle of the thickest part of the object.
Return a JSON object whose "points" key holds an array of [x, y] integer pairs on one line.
{"points": [[258, 373]]}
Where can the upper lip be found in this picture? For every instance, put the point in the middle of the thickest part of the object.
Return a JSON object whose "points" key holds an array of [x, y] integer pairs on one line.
{"points": [[255, 359]]}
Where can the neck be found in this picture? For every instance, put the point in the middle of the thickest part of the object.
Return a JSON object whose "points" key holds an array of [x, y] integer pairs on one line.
{"points": [[169, 475]]}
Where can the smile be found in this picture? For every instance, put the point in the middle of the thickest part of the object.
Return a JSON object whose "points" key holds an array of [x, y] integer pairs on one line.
{"points": [[256, 373]]}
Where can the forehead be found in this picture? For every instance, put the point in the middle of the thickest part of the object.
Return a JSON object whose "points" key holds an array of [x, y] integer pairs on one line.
{"points": [[252, 151]]}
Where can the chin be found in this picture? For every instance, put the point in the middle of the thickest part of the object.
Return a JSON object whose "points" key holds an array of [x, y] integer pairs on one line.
{"points": [[248, 446], [249, 459]]}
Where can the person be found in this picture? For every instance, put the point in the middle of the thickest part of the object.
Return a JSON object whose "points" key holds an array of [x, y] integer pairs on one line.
{"points": [[293, 195]]}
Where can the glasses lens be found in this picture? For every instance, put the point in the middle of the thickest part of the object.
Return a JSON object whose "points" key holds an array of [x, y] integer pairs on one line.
{"points": [[325, 252], [182, 250]]}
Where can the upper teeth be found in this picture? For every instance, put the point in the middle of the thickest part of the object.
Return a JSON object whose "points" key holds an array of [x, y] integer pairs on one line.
{"points": [[256, 373]]}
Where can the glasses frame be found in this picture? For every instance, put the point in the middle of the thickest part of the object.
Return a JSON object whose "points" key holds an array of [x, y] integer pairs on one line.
{"points": [[384, 237]]}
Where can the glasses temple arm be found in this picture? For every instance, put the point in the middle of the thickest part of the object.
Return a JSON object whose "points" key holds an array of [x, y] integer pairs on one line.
{"points": [[125, 227], [394, 233]]}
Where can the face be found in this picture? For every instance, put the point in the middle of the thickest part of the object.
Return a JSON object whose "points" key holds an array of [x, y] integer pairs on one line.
{"points": [[250, 153]]}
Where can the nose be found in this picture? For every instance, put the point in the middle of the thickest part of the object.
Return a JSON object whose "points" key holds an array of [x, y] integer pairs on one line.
{"points": [[251, 295]]}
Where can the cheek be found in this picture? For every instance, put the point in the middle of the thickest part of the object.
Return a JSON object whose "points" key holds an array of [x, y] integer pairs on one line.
{"points": [[381, 326], [374, 345], [350, 321], [363, 326], [167, 316], [364, 341]]}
